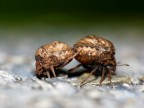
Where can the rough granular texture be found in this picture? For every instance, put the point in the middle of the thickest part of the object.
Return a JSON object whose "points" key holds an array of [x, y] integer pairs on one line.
{"points": [[19, 88]]}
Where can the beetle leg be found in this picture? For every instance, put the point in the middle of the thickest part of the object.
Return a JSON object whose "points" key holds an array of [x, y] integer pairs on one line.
{"points": [[102, 77], [48, 74], [68, 59], [73, 56], [74, 68], [47, 71], [53, 71], [82, 83], [109, 76]]}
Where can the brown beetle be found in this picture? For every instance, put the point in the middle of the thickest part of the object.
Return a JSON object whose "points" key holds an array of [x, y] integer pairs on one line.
{"points": [[96, 54], [51, 56]]}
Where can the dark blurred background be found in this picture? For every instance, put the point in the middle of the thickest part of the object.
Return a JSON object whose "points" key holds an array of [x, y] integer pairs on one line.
{"points": [[74, 12], [25, 23]]}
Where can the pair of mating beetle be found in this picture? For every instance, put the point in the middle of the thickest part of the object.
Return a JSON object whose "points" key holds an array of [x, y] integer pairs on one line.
{"points": [[93, 53]]}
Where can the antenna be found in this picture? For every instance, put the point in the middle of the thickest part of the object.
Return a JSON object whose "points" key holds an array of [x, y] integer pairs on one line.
{"points": [[119, 64]]}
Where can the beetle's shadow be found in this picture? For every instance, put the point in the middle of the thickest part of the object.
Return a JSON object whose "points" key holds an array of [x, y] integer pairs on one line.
{"points": [[80, 72], [76, 73], [62, 72]]}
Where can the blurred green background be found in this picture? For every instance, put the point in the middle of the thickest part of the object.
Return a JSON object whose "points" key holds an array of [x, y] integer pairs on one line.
{"points": [[70, 13]]}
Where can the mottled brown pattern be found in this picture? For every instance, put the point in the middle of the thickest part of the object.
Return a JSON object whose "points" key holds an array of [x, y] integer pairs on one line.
{"points": [[52, 56], [97, 54]]}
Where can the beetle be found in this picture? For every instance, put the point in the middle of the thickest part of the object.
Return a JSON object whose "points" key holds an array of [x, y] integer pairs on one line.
{"points": [[51, 56], [97, 55]]}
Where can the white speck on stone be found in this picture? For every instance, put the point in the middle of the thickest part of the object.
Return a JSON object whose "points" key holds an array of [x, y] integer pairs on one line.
{"points": [[135, 80], [126, 85]]}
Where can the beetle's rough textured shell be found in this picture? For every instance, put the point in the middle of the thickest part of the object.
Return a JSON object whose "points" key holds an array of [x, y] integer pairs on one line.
{"points": [[94, 49], [52, 54]]}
